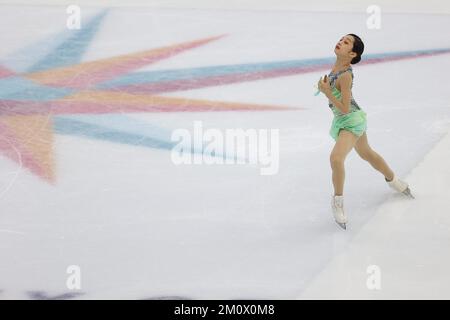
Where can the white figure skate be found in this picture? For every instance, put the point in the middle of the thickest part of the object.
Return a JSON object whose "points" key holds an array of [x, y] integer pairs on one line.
{"points": [[337, 204], [400, 186]]}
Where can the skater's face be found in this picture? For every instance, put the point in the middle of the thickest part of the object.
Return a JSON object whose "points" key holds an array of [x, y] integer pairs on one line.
{"points": [[344, 47]]}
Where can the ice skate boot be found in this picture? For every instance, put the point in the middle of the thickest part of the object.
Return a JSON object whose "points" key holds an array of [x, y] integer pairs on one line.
{"points": [[400, 186], [337, 204]]}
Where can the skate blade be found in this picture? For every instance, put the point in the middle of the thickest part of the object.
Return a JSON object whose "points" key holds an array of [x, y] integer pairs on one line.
{"points": [[342, 225], [408, 193]]}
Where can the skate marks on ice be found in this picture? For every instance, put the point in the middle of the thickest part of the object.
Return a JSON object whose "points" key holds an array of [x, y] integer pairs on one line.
{"points": [[96, 101], [42, 295], [407, 240], [168, 298], [8, 179]]}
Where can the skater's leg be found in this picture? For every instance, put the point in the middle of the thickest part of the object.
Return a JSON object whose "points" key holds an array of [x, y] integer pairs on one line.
{"points": [[344, 144], [367, 153]]}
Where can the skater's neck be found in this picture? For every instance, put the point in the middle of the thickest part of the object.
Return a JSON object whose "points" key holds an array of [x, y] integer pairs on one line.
{"points": [[340, 65]]}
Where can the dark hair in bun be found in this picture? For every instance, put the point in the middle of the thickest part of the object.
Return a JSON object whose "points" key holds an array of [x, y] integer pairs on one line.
{"points": [[358, 48]]}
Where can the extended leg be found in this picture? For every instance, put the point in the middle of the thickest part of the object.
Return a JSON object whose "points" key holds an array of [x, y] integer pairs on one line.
{"points": [[376, 161], [367, 153]]}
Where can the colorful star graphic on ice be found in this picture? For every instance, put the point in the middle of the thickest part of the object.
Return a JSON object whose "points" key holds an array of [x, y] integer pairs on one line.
{"points": [[58, 93]]}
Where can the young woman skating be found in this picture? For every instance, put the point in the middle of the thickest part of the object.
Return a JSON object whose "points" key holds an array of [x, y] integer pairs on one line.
{"points": [[349, 124]]}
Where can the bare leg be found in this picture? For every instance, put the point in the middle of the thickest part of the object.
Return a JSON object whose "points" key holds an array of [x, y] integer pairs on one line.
{"points": [[344, 144], [367, 153]]}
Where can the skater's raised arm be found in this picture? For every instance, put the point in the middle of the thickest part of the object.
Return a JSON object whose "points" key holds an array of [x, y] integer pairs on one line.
{"points": [[343, 104]]}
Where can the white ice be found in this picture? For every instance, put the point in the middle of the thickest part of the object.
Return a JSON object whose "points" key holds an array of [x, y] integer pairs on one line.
{"points": [[140, 227]]}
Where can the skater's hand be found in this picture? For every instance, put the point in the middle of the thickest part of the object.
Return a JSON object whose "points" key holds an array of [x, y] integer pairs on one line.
{"points": [[324, 85]]}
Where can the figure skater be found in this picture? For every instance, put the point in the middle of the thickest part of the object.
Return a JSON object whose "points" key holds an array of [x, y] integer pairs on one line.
{"points": [[349, 124]]}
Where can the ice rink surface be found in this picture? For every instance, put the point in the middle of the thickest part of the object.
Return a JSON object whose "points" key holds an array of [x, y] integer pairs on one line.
{"points": [[87, 179]]}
